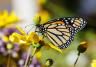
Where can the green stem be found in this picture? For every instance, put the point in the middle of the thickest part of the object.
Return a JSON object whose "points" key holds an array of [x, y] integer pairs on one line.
{"points": [[33, 53], [77, 59], [29, 53], [8, 63], [29, 56]]}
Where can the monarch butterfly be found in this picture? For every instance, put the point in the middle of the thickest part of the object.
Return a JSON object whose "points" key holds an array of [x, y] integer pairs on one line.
{"points": [[61, 32]]}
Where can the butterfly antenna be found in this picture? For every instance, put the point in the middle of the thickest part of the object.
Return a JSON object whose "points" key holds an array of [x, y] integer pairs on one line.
{"points": [[32, 26], [30, 29], [29, 25]]}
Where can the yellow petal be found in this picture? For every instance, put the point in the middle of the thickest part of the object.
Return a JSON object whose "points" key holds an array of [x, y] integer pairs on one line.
{"points": [[12, 14], [3, 17], [2, 23], [54, 47], [14, 37], [23, 42], [21, 30], [38, 55], [17, 38], [12, 18], [6, 19], [33, 37], [5, 14]]}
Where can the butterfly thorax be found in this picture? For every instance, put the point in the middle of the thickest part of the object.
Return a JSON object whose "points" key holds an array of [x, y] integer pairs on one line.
{"points": [[41, 28]]}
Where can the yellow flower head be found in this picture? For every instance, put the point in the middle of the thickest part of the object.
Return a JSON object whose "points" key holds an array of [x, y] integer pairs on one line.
{"points": [[82, 47], [17, 38], [41, 17], [6, 19], [33, 37], [24, 38], [49, 62]]}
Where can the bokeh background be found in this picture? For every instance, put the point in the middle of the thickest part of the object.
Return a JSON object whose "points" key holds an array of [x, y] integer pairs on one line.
{"points": [[24, 10]]}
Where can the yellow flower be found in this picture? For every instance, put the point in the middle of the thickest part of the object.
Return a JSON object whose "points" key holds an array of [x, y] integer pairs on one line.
{"points": [[3, 15], [33, 37], [49, 62], [93, 64], [82, 47], [17, 38], [6, 19], [41, 17], [12, 18], [21, 30], [24, 38]]}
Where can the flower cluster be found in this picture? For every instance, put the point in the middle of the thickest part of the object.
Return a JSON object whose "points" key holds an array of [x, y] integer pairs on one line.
{"points": [[18, 46], [14, 45], [7, 48], [31, 40]]}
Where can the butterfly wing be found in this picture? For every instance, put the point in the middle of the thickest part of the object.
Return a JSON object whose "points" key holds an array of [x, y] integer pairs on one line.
{"points": [[59, 33], [77, 23]]}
